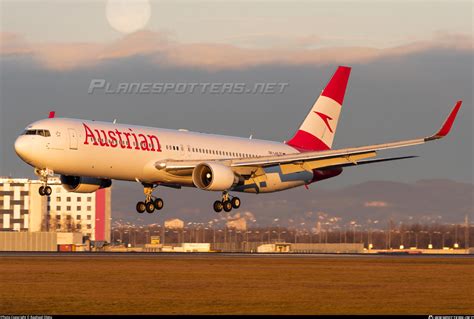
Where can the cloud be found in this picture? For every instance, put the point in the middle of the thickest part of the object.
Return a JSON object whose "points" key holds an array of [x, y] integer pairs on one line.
{"points": [[58, 56], [281, 41], [162, 49]]}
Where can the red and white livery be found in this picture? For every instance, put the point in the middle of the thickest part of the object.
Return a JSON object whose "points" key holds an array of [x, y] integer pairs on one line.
{"points": [[90, 154], [319, 127]]}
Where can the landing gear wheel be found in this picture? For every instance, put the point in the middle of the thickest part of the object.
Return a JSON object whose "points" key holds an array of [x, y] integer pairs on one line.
{"points": [[227, 206], [218, 206], [47, 191], [150, 207], [41, 190], [158, 203], [235, 202], [141, 207], [151, 203]]}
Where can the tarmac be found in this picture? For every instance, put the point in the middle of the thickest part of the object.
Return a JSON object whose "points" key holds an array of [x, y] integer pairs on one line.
{"points": [[220, 255], [234, 283]]}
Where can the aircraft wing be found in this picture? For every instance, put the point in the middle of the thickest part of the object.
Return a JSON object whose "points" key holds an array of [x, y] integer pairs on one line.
{"points": [[313, 160]]}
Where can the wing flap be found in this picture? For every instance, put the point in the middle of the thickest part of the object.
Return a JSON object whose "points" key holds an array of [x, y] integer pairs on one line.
{"points": [[325, 162]]}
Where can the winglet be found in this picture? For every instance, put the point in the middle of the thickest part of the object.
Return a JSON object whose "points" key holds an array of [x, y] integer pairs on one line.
{"points": [[52, 114], [448, 123]]}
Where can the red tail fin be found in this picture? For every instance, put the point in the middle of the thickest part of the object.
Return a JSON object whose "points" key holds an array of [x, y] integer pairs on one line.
{"points": [[318, 129]]}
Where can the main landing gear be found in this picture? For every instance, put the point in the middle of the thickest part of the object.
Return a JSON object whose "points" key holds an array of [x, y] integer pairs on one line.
{"points": [[226, 203], [151, 203], [43, 174]]}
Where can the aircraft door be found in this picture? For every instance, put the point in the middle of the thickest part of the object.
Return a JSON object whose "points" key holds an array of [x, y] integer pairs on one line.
{"points": [[72, 139]]}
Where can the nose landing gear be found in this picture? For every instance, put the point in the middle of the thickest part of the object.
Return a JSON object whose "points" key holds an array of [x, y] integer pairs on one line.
{"points": [[151, 203], [226, 203], [44, 174]]}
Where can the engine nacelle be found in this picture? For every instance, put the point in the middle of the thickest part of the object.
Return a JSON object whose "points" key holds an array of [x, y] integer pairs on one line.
{"points": [[214, 177], [80, 184]]}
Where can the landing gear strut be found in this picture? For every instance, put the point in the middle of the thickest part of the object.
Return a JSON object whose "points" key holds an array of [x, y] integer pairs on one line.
{"points": [[43, 174], [227, 203], [151, 203]]}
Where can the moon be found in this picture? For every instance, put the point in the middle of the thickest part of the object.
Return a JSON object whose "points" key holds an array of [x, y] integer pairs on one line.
{"points": [[127, 16]]}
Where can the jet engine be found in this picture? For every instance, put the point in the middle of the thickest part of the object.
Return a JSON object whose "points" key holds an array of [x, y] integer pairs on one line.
{"points": [[214, 177], [80, 184]]}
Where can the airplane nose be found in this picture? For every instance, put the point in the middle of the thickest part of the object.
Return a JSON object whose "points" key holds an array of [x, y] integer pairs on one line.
{"points": [[21, 147]]}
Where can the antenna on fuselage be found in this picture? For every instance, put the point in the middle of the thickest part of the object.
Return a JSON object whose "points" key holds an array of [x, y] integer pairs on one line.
{"points": [[115, 121]]}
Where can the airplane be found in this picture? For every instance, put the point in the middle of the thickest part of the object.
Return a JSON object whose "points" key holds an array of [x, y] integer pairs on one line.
{"points": [[88, 155]]}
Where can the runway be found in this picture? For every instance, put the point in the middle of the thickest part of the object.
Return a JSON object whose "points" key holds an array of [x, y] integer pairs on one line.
{"points": [[221, 255]]}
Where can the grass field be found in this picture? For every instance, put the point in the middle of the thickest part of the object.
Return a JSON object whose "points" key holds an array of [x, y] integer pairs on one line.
{"points": [[233, 285]]}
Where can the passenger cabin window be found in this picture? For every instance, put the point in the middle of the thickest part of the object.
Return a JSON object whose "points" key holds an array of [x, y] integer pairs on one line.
{"points": [[44, 133]]}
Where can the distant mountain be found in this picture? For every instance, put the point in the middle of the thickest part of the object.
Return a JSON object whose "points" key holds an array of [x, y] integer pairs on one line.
{"points": [[436, 200]]}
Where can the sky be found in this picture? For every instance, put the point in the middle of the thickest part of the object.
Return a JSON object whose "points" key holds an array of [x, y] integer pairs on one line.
{"points": [[247, 23], [411, 61]]}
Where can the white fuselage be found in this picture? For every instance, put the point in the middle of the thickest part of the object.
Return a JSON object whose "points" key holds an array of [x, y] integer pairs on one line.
{"points": [[127, 152]]}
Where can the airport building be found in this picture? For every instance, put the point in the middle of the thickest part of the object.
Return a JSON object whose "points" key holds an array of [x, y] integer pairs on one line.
{"points": [[23, 209], [88, 213], [21, 206]]}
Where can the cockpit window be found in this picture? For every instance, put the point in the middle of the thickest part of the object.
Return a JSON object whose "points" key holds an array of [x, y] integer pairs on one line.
{"points": [[44, 133]]}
